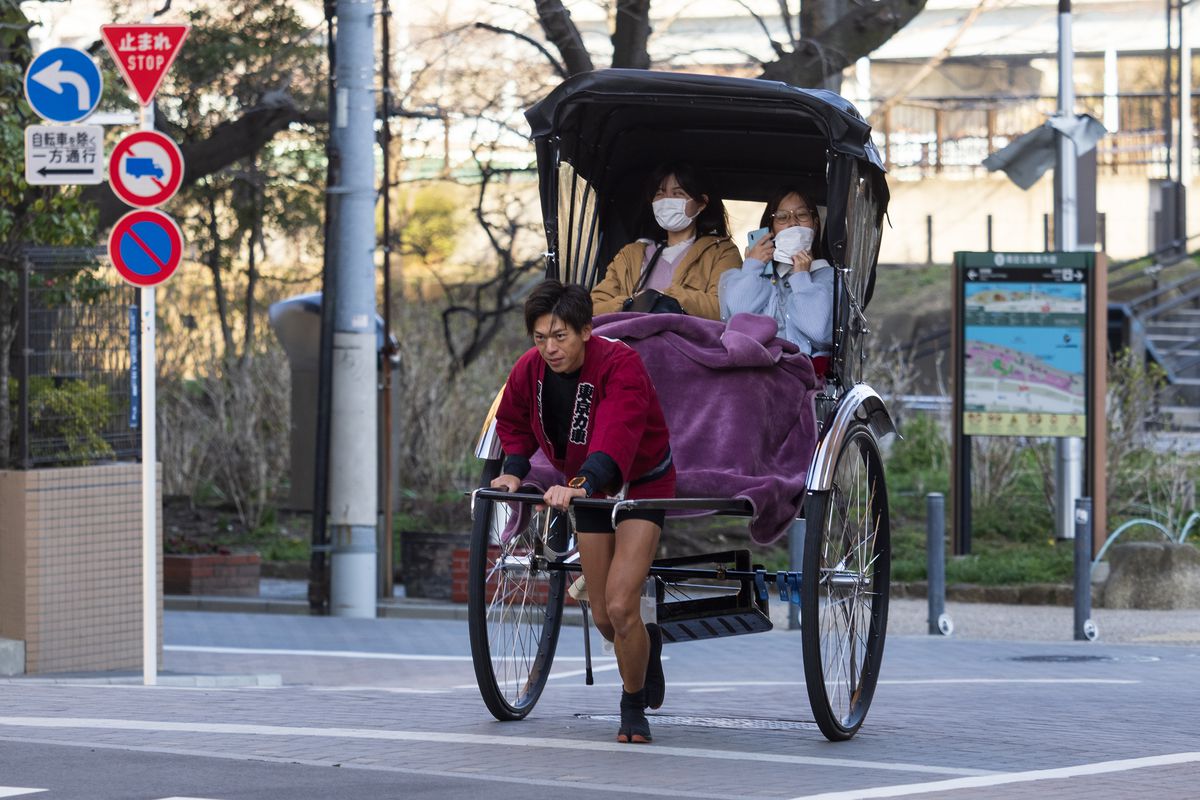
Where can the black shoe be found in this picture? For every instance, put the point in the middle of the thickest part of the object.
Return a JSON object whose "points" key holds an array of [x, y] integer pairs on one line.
{"points": [[656, 682], [634, 726]]}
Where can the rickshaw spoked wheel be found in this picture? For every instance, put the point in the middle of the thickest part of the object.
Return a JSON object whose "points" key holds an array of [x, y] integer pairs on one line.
{"points": [[514, 606], [844, 591]]}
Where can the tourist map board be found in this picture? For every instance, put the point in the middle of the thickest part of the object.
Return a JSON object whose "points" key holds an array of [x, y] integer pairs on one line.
{"points": [[1024, 343]]}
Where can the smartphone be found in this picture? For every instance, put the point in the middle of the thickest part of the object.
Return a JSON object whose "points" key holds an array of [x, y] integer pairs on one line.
{"points": [[754, 236]]}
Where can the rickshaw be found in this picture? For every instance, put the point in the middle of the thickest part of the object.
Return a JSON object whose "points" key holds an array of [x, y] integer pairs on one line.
{"points": [[597, 135]]}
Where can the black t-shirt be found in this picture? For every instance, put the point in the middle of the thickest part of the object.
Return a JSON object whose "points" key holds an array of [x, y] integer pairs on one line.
{"points": [[558, 404]]}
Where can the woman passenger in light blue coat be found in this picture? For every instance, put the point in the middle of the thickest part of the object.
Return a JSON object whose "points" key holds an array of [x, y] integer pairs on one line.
{"points": [[784, 276]]}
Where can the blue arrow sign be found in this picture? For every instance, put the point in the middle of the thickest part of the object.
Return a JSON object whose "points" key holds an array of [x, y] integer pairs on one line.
{"points": [[63, 85]]}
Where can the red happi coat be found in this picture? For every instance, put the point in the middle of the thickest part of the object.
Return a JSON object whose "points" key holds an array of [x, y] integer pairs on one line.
{"points": [[616, 412]]}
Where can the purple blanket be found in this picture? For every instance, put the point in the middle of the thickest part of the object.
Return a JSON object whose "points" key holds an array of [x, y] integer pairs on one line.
{"points": [[739, 405]]}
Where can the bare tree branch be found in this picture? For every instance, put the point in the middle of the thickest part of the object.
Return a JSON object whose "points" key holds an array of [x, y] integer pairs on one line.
{"points": [[929, 66], [230, 142], [554, 62], [561, 31], [824, 52]]}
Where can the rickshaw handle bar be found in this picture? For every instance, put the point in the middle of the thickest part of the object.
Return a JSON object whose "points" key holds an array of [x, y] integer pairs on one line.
{"points": [[720, 505], [716, 573]]}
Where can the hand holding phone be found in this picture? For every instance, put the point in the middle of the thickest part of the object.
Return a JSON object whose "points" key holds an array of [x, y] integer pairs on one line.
{"points": [[761, 245]]}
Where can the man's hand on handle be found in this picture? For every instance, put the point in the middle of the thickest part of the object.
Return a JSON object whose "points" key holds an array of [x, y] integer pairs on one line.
{"points": [[507, 483], [559, 497]]}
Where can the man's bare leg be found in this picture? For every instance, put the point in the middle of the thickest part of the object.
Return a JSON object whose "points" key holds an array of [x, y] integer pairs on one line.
{"points": [[636, 544]]}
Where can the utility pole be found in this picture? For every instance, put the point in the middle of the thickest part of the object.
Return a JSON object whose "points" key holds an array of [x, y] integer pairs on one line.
{"points": [[1068, 461], [353, 468]]}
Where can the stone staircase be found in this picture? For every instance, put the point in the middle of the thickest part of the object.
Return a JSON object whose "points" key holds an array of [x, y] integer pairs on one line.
{"points": [[1166, 317]]}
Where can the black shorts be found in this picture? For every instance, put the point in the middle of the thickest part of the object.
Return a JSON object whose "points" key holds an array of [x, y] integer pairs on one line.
{"points": [[599, 520]]}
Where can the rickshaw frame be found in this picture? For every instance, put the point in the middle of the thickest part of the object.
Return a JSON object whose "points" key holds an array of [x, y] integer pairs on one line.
{"points": [[594, 135]]}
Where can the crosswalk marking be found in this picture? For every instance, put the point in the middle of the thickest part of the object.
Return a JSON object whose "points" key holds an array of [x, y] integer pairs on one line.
{"points": [[17, 791]]}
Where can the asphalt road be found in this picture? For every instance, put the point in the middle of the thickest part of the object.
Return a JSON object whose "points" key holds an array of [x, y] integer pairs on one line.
{"points": [[389, 709]]}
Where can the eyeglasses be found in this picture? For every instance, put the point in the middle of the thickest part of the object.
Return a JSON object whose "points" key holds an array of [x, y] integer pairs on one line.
{"points": [[800, 215]]}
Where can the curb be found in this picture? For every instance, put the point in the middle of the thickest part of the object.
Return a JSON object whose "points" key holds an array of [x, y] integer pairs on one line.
{"points": [[257, 680], [387, 609], [1031, 594]]}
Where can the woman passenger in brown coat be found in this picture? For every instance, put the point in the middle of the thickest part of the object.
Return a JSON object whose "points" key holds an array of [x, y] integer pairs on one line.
{"points": [[689, 251]]}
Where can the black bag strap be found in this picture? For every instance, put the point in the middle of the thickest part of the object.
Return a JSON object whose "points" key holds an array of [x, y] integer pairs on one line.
{"points": [[645, 276]]}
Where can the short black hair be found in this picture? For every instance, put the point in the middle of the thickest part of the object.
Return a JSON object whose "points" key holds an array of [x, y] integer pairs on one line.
{"points": [[569, 302]]}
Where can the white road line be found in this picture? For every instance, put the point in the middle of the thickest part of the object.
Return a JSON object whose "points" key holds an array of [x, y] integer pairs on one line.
{"points": [[365, 654], [425, 737], [17, 791], [185, 798], [389, 689], [563, 786], [949, 681], [903, 682], [1001, 779], [264, 651]]}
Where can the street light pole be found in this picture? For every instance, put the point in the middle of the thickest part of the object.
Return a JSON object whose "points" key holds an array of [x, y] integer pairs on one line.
{"points": [[1068, 461]]}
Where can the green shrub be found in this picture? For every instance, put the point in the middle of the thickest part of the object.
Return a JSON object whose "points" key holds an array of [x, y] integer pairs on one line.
{"points": [[67, 418]]}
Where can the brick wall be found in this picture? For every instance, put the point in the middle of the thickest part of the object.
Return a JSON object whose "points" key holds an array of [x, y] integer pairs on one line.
{"points": [[460, 561], [70, 566], [218, 573]]}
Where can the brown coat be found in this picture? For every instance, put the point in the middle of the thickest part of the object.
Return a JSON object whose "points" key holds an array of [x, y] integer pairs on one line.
{"points": [[694, 284]]}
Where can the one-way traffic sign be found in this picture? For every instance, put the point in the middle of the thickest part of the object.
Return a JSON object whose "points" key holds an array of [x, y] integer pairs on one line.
{"points": [[60, 155]]}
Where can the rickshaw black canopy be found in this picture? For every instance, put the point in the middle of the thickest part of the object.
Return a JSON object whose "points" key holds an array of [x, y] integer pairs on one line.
{"points": [[750, 136], [742, 130]]}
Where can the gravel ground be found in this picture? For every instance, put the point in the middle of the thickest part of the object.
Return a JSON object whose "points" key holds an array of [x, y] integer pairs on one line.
{"points": [[1049, 623]]}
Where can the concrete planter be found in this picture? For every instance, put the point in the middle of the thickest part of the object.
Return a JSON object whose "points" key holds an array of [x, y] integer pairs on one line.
{"points": [[233, 574], [71, 566]]}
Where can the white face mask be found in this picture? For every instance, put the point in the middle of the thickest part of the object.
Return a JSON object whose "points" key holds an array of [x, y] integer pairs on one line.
{"points": [[670, 214], [793, 240]]}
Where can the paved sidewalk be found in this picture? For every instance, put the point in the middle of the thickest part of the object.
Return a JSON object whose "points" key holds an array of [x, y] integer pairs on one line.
{"points": [[906, 616]]}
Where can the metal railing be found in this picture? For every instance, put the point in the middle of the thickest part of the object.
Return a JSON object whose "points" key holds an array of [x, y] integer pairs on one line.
{"points": [[73, 360], [922, 136]]}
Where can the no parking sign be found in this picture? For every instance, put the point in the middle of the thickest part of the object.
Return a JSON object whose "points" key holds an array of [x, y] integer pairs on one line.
{"points": [[145, 246]]}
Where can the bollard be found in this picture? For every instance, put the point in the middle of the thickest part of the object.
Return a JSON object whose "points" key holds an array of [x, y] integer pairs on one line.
{"points": [[1085, 629], [935, 561]]}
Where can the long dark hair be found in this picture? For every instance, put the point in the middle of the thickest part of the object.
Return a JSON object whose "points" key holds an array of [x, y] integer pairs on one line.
{"points": [[712, 221], [773, 203]]}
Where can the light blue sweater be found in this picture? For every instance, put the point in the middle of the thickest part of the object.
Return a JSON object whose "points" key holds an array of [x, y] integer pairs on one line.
{"points": [[801, 303]]}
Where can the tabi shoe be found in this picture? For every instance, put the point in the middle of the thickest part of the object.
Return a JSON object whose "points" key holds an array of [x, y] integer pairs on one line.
{"points": [[634, 726], [656, 682], [578, 590]]}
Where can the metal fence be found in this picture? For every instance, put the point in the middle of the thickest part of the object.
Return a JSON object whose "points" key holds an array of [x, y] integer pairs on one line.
{"points": [[74, 361], [920, 137]]}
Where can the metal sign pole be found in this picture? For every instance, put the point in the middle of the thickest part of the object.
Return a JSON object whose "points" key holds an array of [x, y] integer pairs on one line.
{"points": [[149, 369]]}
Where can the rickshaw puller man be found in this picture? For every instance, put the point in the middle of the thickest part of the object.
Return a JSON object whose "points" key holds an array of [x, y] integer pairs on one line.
{"points": [[588, 403]]}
